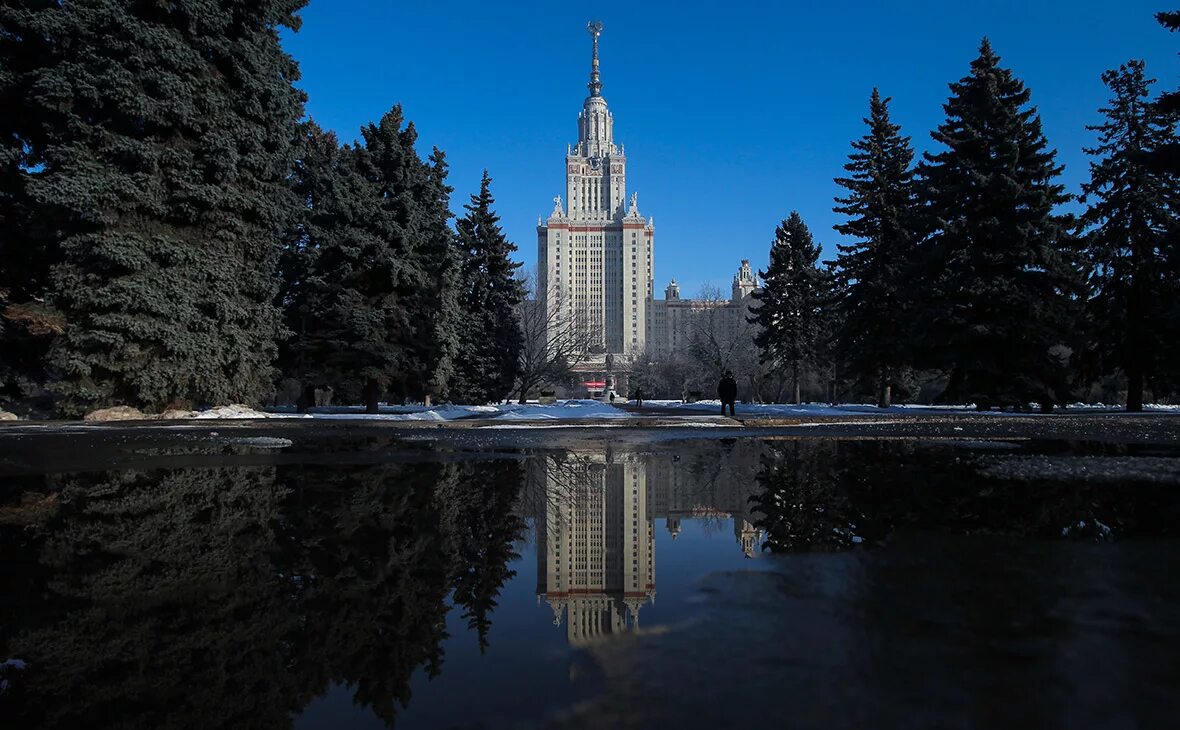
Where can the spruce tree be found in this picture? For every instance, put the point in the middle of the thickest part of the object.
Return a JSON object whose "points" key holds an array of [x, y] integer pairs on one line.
{"points": [[345, 297], [369, 269], [491, 293], [1133, 207], [872, 270], [1170, 101], [163, 142], [1000, 264], [334, 302], [27, 243], [413, 219], [789, 309], [438, 336], [1165, 159]]}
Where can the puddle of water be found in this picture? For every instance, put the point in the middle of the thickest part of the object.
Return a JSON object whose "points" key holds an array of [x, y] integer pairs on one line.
{"points": [[808, 583]]}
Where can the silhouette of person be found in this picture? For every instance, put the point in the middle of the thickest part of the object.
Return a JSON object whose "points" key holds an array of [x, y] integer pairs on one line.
{"points": [[727, 392], [639, 397]]}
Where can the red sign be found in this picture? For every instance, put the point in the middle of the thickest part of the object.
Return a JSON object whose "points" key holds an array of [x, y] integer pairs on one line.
{"points": [[595, 384]]}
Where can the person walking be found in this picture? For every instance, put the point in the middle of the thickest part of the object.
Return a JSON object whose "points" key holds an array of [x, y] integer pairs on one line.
{"points": [[639, 397], [727, 393]]}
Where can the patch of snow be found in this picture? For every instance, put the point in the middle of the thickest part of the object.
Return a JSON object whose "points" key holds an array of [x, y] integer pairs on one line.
{"points": [[827, 409], [262, 442], [561, 410], [551, 425], [700, 424], [235, 410], [564, 410], [807, 424]]}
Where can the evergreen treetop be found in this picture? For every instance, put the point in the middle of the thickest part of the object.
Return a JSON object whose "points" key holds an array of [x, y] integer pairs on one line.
{"points": [[1133, 207], [872, 272], [368, 268], [1000, 263], [788, 309], [491, 293], [416, 210]]}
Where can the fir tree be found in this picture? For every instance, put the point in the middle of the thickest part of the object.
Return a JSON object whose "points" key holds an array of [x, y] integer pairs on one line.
{"points": [[163, 140], [1170, 101], [26, 246], [337, 314], [1165, 159], [1001, 267], [490, 298], [437, 303], [1133, 207], [872, 270], [421, 272], [369, 269], [789, 309]]}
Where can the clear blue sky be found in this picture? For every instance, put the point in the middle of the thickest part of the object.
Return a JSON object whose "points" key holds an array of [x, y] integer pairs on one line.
{"points": [[733, 114]]}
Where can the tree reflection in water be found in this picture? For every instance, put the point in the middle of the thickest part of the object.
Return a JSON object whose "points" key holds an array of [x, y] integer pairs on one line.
{"points": [[232, 597], [837, 495]]}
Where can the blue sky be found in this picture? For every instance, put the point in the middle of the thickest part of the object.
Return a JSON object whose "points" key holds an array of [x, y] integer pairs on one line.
{"points": [[733, 114]]}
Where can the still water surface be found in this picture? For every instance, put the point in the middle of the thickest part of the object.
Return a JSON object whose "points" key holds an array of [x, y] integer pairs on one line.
{"points": [[711, 583]]}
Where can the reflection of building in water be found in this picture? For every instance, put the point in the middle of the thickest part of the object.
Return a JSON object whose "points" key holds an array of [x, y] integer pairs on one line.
{"points": [[595, 530], [706, 490], [595, 547]]}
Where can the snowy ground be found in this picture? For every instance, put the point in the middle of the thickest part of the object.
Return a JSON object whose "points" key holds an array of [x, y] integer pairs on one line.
{"points": [[705, 413], [782, 410], [562, 410]]}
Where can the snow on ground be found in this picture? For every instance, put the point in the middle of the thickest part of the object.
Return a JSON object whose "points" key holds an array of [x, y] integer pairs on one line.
{"points": [[236, 410], [790, 409], [565, 410], [561, 410], [523, 424], [843, 409]]}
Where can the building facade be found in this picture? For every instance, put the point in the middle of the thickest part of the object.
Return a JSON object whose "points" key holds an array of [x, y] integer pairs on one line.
{"points": [[596, 256], [674, 321], [595, 252], [595, 515]]}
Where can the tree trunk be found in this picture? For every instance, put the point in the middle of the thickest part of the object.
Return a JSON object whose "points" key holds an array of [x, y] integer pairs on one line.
{"points": [[1134, 390], [306, 399], [372, 394], [884, 388], [795, 383], [952, 387], [1135, 339], [832, 391]]}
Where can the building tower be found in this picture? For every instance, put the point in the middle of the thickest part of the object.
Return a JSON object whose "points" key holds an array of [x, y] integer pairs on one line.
{"points": [[595, 253], [744, 282]]}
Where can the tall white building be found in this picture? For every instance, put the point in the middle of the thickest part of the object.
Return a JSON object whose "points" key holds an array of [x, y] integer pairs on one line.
{"points": [[596, 261], [595, 252]]}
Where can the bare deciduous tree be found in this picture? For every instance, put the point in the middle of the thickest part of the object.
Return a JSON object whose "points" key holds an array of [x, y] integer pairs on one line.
{"points": [[720, 339], [555, 341]]}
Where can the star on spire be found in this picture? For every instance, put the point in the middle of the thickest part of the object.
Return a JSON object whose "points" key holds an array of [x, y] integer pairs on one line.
{"points": [[594, 28]]}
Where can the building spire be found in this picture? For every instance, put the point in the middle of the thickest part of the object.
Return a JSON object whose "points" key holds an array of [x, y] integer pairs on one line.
{"points": [[594, 27]]}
